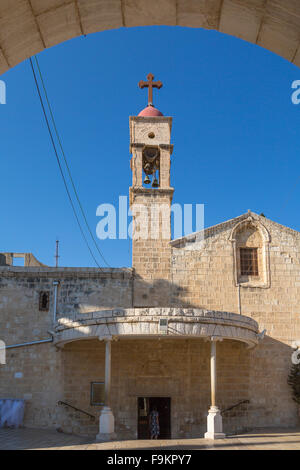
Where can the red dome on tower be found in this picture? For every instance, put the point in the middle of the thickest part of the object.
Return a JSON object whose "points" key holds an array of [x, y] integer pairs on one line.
{"points": [[150, 111]]}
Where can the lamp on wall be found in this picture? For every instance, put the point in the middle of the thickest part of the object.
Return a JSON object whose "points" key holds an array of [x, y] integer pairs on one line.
{"points": [[163, 326]]}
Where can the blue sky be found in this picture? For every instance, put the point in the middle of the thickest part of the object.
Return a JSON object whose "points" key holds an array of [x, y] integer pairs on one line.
{"points": [[235, 134]]}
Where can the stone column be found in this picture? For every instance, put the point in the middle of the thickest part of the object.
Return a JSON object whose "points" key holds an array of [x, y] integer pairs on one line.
{"points": [[107, 420], [214, 418]]}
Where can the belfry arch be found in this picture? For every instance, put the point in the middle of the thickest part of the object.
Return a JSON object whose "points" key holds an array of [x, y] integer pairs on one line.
{"points": [[29, 26]]}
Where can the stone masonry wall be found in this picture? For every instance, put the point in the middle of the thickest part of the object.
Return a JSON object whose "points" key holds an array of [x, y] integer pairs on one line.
{"points": [[36, 373], [199, 275], [164, 368], [202, 276], [80, 291], [151, 257]]}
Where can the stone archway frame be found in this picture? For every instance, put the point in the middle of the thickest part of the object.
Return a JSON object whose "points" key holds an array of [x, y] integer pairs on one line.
{"points": [[266, 239], [29, 26]]}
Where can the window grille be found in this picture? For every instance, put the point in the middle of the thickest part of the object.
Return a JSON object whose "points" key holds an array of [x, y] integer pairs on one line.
{"points": [[249, 264], [44, 301]]}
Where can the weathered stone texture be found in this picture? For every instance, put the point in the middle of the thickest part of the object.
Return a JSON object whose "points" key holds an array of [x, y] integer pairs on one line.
{"points": [[40, 383], [140, 366], [53, 31], [199, 13], [151, 259], [80, 291], [100, 15], [143, 12], [202, 276], [151, 251], [144, 322], [27, 27]]}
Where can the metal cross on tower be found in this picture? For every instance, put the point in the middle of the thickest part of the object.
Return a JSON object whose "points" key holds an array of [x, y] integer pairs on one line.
{"points": [[150, 84]]}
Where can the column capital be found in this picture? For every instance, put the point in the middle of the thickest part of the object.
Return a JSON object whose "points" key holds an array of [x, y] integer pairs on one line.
{"points": [[105, 338], [214, 339]]}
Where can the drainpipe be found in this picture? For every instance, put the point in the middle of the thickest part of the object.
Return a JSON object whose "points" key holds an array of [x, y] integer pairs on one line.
{"points": [[49, 340], [239, 299], [55, 284], [132, 289]]}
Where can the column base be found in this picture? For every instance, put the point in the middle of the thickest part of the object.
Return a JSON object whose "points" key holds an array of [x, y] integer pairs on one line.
{"points": [[214, 435], [106, 425], [214, 424], [106, 437]]}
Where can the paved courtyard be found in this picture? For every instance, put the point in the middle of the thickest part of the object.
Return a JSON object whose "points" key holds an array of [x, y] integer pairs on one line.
{"points": [[263, 439]]}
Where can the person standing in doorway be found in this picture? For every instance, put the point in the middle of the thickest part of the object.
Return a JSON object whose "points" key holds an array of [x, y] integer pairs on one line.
{"points": [[154, 423]]}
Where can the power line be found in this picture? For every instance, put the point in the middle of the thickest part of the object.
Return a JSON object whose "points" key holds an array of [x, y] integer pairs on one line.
{"points": [[66, 163], [59, 165]]}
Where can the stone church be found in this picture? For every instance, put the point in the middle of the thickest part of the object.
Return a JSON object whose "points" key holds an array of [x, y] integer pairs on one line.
{"points": [[200, 327]]}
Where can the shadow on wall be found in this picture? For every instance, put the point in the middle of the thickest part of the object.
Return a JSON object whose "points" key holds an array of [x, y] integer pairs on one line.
{"points": [[143, 368], [160, 293], [270, 396]]}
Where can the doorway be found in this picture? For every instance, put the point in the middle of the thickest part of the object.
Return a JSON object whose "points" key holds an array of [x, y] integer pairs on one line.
{"points": [[145, 406]]}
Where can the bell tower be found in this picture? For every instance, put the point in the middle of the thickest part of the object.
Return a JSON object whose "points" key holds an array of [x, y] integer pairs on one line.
{"points": [[150, 202]]}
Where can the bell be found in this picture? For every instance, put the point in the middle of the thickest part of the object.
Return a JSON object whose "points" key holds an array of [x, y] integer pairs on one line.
{"points": [[147, 180], [155, 183]]}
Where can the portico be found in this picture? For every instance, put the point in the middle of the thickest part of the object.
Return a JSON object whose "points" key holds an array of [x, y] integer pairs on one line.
{"points": [[115, 328]]}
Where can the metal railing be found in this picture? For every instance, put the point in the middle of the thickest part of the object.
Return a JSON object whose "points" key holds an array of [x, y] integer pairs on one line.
{"points": [[234, 406], [76, 409]]}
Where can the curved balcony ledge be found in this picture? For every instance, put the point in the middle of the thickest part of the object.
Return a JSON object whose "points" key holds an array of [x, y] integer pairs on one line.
{"points": [[144, 323]]}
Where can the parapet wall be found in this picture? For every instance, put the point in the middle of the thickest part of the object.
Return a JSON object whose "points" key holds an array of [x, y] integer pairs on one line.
{"points": [[7, 259]]}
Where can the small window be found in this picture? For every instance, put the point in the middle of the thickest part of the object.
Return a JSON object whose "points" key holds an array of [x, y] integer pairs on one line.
{"points": [[249, 264], [97, 393], [44, 301]]}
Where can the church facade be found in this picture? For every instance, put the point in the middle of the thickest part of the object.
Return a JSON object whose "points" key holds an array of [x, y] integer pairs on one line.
{"points": [[201, 327]]}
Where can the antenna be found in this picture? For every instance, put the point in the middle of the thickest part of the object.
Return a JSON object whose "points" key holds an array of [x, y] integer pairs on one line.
{"points": [[56, 254]]}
